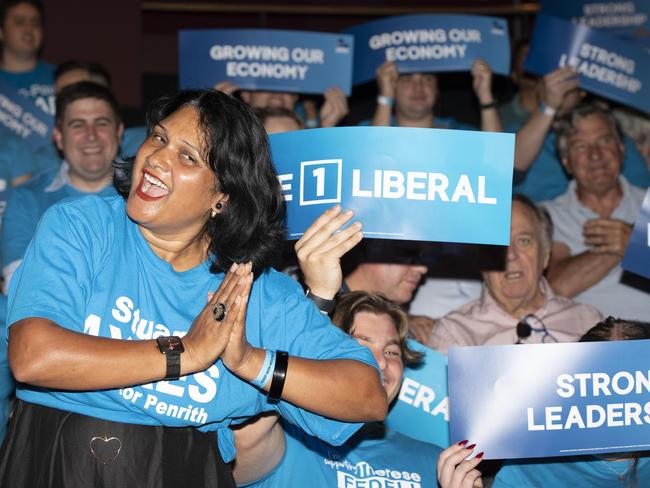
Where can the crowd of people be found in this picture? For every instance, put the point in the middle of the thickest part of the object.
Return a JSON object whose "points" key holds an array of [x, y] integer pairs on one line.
{"points": [[158, 331]]}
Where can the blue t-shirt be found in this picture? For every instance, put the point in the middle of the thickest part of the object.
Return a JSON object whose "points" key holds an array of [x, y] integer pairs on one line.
{"points": [[6, 379], [547, 179], [27, 204], [16, 155], [89, 269], [36, 88], [132, 139], [374, 457], [575, 472], [36, 83], [15, 160]]}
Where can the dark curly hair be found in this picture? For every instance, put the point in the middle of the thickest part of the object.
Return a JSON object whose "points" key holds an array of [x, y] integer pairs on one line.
{"points": [[251, 226], [613, 329]]}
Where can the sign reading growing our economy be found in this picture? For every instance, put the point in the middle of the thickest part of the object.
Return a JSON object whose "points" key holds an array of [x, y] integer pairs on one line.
{"points": [[402, 183], [543, 400], [274, 60], [607, 66], [637, 254], [23, 116], [627, 18], [423, 43], [422, 407]]}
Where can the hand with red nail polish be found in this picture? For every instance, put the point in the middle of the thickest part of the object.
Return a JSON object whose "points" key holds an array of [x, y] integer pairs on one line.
{"points": [[456, 469]]}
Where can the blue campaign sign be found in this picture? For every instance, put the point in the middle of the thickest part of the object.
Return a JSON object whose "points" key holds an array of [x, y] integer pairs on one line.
{"points": [[422, 43], [21, 116], [544, 400], [637, 254], [402, 183], [421, 410], [627, 18], [607, 66], [258, 59]]}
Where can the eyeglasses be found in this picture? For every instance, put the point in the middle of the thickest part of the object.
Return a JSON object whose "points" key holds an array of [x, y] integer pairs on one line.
{"points": [[525, 329]]}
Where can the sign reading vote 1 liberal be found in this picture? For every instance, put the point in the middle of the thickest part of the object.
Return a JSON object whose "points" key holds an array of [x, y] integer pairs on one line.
{"points": [[422, 407], [258, 59], [430, 43], [607, 66], [543, 400], [637, 254], [402, 183]]}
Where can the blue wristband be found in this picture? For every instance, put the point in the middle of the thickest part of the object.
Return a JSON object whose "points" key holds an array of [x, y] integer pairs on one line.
{"points": [[266, 372]]}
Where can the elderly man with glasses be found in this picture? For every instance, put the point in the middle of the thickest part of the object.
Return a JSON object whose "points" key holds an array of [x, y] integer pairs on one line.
{"points": [[517, 304]]}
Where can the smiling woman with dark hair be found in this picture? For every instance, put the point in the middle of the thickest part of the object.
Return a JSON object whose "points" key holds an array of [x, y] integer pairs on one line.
{"points": [[112, 342]]}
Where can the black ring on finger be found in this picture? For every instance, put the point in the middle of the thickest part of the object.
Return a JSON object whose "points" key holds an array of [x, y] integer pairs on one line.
{"points": [[219, 312]]}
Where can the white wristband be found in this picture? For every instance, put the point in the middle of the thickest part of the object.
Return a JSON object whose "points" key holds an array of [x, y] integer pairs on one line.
{"points": [[388, 101], [546, 110]]}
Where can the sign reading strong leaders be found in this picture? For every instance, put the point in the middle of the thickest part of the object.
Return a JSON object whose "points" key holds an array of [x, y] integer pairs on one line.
{"points": [[607, 66], [402, 183], [544, 400]]}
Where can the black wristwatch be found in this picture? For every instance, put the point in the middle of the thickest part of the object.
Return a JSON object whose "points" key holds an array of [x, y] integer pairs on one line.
{"points": [[171, 347]]}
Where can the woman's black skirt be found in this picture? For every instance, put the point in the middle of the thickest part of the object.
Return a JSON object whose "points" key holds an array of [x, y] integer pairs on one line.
{"points": [[49, 448]]}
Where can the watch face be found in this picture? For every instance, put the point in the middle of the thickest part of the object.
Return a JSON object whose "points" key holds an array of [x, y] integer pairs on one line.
{"points": [[171, 344]]}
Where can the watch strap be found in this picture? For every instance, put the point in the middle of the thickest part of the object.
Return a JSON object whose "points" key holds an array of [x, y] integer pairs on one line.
{"points": [[173, 366], [171, 347], [324, 305]]}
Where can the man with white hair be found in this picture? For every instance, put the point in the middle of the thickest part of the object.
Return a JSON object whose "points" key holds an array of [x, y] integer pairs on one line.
{"points": [[517, 305]]}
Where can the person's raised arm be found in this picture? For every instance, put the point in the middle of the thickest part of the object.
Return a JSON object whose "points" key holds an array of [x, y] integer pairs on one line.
{"points": [[321, 248], [342, 389], [387, 76], [334, 108], [570, 275], [482, 85], [42, 353], [530, 138]]}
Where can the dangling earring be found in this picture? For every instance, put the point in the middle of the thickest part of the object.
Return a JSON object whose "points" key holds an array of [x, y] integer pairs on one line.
{"points": [[213, 214]]}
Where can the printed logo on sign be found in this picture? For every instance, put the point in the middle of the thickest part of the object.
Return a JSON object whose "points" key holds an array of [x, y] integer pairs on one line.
{"points": [[342, 46], [320, 181], [497, 29]]}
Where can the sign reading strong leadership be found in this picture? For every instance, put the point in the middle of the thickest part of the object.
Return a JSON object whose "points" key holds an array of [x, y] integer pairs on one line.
{"points": [[402, 183]]}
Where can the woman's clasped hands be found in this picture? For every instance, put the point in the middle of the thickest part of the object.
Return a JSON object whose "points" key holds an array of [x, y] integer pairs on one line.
{"points": [[219, 331]]}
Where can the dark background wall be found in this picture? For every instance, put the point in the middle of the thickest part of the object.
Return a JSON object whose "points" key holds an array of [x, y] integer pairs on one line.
{"points": [[137, 41]]}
